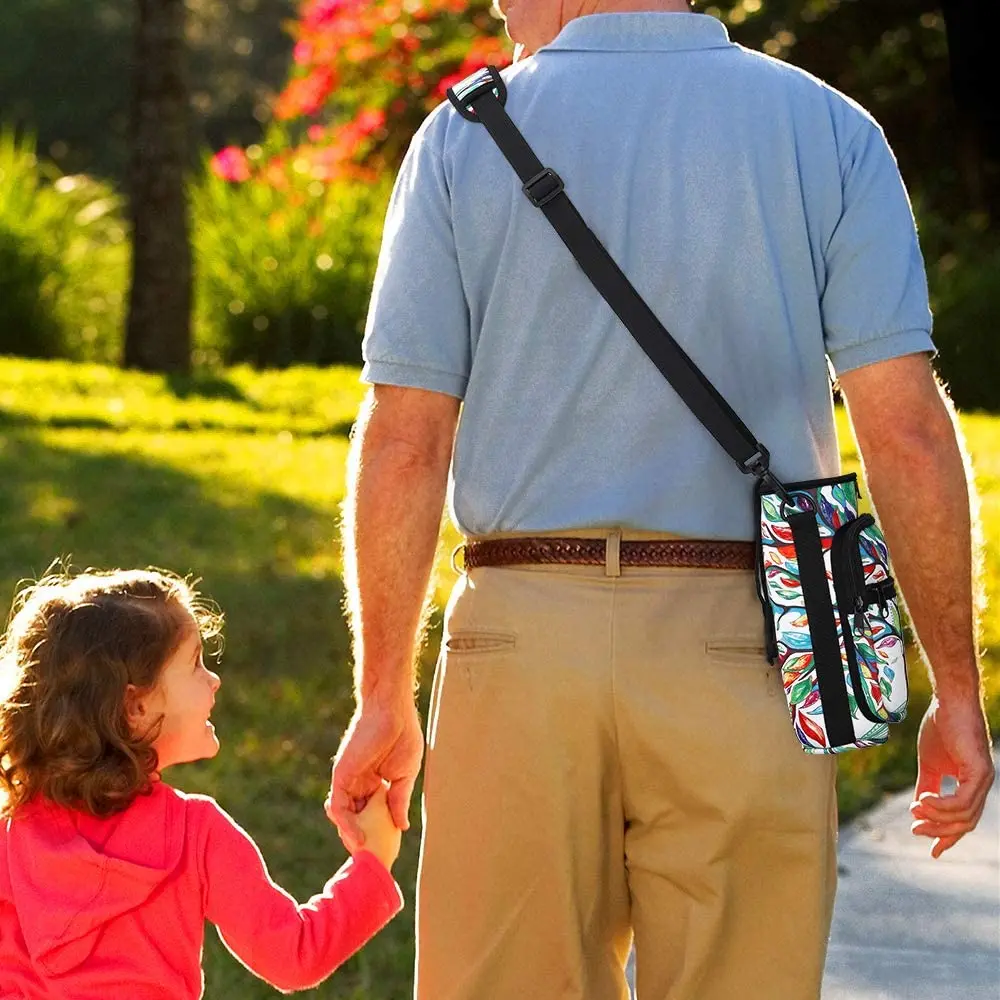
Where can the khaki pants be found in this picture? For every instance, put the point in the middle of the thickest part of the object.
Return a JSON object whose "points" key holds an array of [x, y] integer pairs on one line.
{"points": [[608, 756]]}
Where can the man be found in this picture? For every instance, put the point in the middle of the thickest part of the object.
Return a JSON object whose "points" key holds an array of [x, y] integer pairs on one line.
{"points": [[609, 753]]}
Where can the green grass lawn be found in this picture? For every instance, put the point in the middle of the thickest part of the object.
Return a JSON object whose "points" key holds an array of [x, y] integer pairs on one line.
{"points": [[237, 478]]}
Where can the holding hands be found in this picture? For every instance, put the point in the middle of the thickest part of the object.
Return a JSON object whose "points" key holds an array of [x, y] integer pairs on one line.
{"points": [[373, 776], [381, 835]]}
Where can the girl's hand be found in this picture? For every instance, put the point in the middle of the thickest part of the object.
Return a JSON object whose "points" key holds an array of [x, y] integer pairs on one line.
{"points": [[382, 743], [382, 836]]}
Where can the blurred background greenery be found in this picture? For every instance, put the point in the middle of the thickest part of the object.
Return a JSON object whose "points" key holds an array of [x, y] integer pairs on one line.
{"points": [[283, 264], [230, 465]]}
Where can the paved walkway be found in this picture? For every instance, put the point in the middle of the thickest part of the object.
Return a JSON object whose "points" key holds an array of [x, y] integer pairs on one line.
{"points": [[907, 927]]}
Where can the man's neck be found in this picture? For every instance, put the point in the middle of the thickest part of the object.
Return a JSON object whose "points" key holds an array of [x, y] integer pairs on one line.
{"points": [[635, 6]]}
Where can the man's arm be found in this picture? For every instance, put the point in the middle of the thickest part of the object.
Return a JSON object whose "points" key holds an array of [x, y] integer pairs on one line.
{"points": [[397, 476], [919, 481]]}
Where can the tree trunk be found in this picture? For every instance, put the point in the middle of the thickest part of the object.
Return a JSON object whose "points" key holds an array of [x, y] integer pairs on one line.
{"points": [[158, 334]]}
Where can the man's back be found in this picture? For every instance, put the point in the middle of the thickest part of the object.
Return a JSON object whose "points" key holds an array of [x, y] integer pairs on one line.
{"points": [[759, 213], [604, 726]]}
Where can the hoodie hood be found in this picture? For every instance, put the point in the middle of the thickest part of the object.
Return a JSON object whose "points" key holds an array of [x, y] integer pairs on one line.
{"points": [[69, 873]]}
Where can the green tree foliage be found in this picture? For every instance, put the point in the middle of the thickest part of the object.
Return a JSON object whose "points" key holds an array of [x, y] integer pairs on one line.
{"points": [[63, 259], [293, 286], [65, 73]]}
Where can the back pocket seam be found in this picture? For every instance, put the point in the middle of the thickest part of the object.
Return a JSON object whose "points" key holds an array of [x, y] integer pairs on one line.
{"points": [[478, 641], [735, 647]]}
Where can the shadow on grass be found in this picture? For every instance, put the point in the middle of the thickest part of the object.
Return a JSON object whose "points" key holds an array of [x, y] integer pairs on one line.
{"points": [[10, 419], [206, 384], [93, 422], [286, 694]]}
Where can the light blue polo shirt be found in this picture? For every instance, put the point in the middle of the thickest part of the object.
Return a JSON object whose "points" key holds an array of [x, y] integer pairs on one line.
{"points": [[759, 212]]}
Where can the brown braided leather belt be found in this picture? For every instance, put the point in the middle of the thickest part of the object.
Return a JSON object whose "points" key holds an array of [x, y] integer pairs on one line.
{"points": [[690, 553]]}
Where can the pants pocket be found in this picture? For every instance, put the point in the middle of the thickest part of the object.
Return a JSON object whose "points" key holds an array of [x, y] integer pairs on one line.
{"points": [[747, 654], [478, 641]]}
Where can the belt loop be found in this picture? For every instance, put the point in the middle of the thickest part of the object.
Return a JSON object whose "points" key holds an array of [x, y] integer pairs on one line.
{"points": [[613, 554], [454, 555]]}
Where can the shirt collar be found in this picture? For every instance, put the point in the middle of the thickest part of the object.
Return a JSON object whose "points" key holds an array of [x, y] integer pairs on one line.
{"points": [[640, 32]]}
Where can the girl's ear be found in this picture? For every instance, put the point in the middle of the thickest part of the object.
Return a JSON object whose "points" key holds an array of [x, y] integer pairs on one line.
{"points": [[137, 708]]}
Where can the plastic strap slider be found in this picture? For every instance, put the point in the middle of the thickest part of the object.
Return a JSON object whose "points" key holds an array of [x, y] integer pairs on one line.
{"points": [[543, 187]]}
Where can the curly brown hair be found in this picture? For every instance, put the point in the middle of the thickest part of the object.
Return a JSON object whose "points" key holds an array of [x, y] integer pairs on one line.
{"points": [[73, 645]]}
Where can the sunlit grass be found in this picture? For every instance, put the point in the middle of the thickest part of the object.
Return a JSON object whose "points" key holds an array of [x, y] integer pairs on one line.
{"points": [[237, 478]]}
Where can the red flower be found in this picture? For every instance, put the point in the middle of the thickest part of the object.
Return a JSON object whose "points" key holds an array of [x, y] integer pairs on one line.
{"points": [[322, 12], [449, 81], [231, 164], [360, 52], [369, 120], [387, 56], [306, 94]]}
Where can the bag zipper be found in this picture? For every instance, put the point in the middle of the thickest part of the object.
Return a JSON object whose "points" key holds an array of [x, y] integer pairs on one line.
{"points": [[853, 597], [845, 556]]}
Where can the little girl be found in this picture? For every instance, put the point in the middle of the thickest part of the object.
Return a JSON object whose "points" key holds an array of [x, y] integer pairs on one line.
{"points": [[107, 874]]}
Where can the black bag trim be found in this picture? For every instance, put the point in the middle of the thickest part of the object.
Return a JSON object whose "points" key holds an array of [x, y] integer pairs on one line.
{"points": [[822, 629], [812, 484], [760, 578], [852, 599]]}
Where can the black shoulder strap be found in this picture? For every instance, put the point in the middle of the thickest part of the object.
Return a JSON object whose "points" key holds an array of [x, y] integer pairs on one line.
{"points": [[480, 98]]}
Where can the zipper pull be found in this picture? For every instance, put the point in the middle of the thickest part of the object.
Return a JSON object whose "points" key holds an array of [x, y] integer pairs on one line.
{"points": [[880, 593]]}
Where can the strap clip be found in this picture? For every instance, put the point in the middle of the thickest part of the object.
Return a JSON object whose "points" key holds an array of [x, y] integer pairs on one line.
{"points": [[550, 183], [758, 466], [465, 93]]}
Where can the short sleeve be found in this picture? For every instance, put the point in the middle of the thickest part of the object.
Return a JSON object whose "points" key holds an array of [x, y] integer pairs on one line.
{"points": [[875, 302], [417, 332]]}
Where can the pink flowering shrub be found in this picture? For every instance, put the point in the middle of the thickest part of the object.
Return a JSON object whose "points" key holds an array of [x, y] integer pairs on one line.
{"points": [[231, 164], [365, 74], [287, 232]]}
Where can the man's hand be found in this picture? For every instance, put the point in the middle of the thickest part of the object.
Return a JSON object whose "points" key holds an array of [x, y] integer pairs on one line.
{"points": [[954, 740], [383, 741], [922, 487]]}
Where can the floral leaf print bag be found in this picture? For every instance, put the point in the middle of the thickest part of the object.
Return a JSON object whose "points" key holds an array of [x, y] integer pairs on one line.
{"points": [[831, 618]]}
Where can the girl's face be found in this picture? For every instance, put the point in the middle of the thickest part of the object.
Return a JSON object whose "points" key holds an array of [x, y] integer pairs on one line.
{"points": [[184, 696]]}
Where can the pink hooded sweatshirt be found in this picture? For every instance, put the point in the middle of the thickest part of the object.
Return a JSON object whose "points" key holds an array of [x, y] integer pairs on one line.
{"points": [[97, 909]]}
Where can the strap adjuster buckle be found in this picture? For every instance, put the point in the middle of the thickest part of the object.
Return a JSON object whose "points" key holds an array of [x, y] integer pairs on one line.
{"points": [[543, 187]]}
